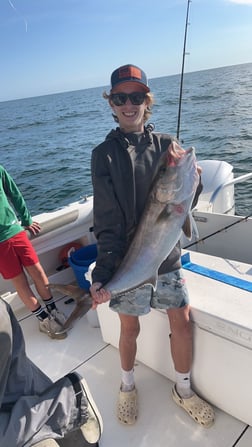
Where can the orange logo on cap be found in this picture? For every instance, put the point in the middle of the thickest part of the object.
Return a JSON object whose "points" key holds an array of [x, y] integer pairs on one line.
{"points": [[129, 72]]}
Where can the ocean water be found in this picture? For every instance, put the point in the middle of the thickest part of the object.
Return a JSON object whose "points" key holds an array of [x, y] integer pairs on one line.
{"points": [[46, 141]]}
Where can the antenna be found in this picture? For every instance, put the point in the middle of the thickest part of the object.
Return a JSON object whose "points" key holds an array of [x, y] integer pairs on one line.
{"points": [[182, 69]]}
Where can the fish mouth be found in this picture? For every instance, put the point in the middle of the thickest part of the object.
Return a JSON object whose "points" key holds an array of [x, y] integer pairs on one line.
{"points": [[165, 195]]}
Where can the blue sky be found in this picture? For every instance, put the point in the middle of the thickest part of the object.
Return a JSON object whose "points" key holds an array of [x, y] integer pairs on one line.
{"points": [[50, 46]]}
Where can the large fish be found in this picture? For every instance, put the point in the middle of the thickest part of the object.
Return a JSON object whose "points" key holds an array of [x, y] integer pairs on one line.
{"points": [[166, 213]]}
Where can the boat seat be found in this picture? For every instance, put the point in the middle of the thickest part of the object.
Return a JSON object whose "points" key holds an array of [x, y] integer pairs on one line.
{"points": [[215, 197]]}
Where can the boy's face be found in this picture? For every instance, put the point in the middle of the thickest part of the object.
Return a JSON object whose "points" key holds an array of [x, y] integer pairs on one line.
{"points": [[130, 116]]}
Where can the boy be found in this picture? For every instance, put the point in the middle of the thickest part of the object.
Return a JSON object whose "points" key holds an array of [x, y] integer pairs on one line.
{"points": [[123, 167]]}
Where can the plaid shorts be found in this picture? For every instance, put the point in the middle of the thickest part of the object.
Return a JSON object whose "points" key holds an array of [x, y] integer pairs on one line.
{"points": [[171, 293]]}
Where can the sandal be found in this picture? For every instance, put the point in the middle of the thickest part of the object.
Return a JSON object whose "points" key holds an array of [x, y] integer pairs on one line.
{"points": [[196, 407], [127, 407]]}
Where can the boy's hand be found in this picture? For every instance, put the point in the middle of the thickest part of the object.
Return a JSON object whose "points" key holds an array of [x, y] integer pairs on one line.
{"points": [[98, 294]]}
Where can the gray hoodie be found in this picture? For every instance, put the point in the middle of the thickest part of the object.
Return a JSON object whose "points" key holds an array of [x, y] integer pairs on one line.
{"points": [[123, 168]]}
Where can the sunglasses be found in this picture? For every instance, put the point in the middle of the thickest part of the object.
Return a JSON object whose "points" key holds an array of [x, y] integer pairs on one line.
{"points": [[136, 98]]}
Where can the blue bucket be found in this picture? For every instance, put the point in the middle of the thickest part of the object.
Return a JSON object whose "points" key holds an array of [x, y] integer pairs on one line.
{"points": [[80, 261]]}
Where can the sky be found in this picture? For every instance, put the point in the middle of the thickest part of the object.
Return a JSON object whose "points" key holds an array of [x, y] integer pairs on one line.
{"points": [[52, 46]]}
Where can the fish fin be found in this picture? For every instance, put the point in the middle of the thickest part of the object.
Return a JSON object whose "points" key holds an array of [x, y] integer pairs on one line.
{"points": [[152, 281], [187, 226], [81, 308], [70, 290]]}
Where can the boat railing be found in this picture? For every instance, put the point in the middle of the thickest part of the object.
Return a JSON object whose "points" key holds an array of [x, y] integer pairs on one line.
{"points": [[220, 188], [55, 223]]}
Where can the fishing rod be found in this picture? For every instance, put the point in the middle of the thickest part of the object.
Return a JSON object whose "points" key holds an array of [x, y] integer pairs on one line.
{"points": [[182, 69], [243, 219], [178, 132]]}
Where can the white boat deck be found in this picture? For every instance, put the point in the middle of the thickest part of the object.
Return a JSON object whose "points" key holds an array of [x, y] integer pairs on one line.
{"points": [[160, 422]]}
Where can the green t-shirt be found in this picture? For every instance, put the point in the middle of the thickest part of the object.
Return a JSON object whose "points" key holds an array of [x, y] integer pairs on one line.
{"points": [[12, 204]]}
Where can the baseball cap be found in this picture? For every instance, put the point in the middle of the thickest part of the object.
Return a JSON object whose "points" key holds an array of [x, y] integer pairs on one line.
{"points": [[129, 73]]}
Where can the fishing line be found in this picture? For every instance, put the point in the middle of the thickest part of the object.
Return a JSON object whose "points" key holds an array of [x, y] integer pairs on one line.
{"points": [[182, 69], [218, 231]]}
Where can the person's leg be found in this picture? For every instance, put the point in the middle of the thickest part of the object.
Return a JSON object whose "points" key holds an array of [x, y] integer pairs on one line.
{"points": [[172, 295], [40, 281], [30, 261], [130, 329], [32, 407], [22, 252], [181, 349], [46, 324], [127, 401], [129, 307], [16, 254], [25, 292], [181, 338], [56, 412], [18, 375]]}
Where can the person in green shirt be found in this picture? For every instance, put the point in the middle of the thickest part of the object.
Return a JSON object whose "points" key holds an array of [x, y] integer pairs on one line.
{"points": [[17, 255]]}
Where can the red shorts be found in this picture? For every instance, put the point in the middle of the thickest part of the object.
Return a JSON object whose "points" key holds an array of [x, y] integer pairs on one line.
{"points": [[15, 253]]}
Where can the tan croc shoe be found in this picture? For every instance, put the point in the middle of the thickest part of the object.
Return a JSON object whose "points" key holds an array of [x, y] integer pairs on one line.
{"points": [[127, 407], [196, 407]]}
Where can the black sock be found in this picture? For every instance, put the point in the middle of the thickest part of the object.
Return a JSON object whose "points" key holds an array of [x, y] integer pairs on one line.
{"points": [[40, 313], [50, 304]]}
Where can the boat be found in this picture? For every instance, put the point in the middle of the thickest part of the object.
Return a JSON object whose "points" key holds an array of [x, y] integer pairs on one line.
{"points": [[217, 264]]}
